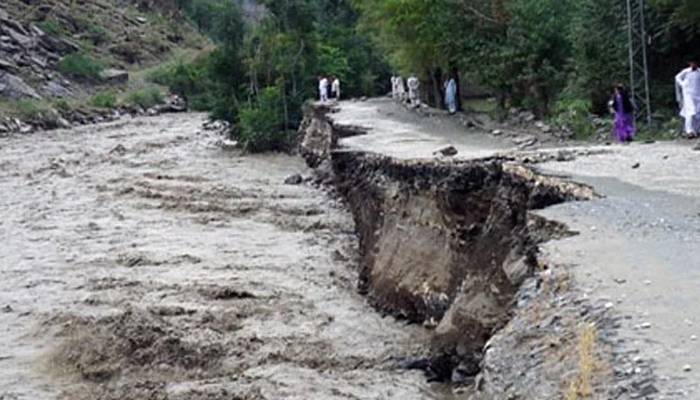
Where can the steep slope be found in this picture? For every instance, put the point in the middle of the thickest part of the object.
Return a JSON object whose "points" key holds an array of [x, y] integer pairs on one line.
{"points": [[63, 48]]}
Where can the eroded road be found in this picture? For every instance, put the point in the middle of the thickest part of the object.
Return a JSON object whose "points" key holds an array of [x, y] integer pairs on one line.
{"points": [[140, 261]]}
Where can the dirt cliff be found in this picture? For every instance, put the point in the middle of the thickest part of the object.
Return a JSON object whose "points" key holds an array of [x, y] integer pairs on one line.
{"points": [[444, 243]]}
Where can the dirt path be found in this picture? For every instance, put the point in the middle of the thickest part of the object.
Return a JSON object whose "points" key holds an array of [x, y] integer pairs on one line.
{"points": [[140, 261]]}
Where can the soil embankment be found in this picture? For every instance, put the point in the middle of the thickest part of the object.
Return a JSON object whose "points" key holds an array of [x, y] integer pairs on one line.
{"points": [[452, 244]]}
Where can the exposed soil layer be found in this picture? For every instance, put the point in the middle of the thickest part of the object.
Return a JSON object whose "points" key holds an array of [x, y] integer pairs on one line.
{"points": [[445, 244]]}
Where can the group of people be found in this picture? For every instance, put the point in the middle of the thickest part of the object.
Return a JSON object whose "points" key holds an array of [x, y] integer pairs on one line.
{"points": [[399, 92], [328, 88], [412, 95], [687, 94]]}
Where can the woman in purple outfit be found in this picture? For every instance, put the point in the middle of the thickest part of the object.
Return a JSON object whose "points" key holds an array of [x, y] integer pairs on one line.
{"points": [[624, 115]]}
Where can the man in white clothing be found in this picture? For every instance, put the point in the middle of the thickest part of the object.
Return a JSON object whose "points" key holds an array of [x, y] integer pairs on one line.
{"points": [[413, 91], [689, 83], [335, 89], [323, 88]]}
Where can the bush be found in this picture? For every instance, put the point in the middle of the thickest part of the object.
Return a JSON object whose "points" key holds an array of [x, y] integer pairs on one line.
{"points": [[574, 114], [146, 98], [189, 81], [52, 28], [81, 66], [261, 124], [105, 99], [30, 109]]}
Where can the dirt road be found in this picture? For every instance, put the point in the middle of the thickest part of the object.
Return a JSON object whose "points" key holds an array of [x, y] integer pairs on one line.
{"points": [[141, 261]]}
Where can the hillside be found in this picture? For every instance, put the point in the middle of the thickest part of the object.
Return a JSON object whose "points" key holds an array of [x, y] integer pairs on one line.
{"points": [[72, 49]]}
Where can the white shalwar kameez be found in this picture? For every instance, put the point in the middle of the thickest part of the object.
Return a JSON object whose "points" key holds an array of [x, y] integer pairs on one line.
{"points": [[413, 91], [689, 82], [335, 88], [323, 89]]}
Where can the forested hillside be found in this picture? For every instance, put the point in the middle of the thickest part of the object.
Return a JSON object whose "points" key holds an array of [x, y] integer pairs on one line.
{"points": [[557, 58]]}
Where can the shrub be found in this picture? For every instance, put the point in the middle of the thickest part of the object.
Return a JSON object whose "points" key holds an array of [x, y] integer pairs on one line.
{"points": [[261, 124], [146, 98], [187, 80], [30, 109], [574, 114], [81, 66], [52, 28], [107, 99]]}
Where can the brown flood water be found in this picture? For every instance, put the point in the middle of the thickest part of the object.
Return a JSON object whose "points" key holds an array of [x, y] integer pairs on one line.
{"points": [[141, 261]]}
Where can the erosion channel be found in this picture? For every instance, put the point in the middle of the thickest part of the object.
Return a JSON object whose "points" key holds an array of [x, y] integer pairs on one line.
{"points": [[142, 261]]}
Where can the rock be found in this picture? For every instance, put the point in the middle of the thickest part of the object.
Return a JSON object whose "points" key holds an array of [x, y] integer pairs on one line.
{"points": [[55, 89], [114, 76], [687, 368], [7, 308], [295, 179], [636, 165], [15, 88], [697, 147], [7, 65], [63, 123], [3, 14], [118, 150], [447, 151], [527, 116], [59, 45], [227, 144], [496, 132], [22, 39], [141, 20]]}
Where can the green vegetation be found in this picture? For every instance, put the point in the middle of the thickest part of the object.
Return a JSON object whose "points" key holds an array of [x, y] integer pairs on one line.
{"points": [[81, 66], [146, 97], [52, 27], [30, 109], [261, 123], [105, 99], [273, 64], [558, 58]]}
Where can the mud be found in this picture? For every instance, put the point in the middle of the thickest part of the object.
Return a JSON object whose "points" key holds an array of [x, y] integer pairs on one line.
{"points": [[141, 261]]}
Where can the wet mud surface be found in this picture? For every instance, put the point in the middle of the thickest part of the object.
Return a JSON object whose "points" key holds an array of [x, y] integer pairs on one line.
{"points": [[141, 261]]}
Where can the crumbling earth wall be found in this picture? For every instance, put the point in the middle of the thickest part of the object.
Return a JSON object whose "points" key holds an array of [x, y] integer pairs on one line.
{"points": [[444, 243]]}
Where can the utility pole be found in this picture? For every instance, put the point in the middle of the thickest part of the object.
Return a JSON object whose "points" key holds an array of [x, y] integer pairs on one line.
{"points": [[638, 63]]}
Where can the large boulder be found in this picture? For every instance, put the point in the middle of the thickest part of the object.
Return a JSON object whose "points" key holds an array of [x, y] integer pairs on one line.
{"points": [[14, 87], [114, 76]]}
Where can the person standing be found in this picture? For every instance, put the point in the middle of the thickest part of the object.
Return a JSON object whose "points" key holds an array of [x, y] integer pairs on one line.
{"points": [[413, 91], [335, 88], [400, 89], [689, 82], [623, 108], [451, 95], [323, 88], [394, 88]]}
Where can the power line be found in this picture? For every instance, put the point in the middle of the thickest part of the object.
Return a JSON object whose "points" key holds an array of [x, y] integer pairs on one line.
{"points": [[638, 62]]}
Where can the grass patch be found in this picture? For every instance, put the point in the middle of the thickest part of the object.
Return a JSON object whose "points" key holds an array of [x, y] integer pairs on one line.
{"points": [[81, 66], [146, 97], [52, 28], [30, 109], [582, 386], [106, 99], [480, 105]]}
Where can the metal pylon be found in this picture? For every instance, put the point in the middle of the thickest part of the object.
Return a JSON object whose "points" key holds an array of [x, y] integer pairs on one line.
{"points": [[638, 64]]}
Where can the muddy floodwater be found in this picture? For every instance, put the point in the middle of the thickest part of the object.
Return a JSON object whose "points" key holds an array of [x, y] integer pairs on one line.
{"points": [[142, 261]]}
